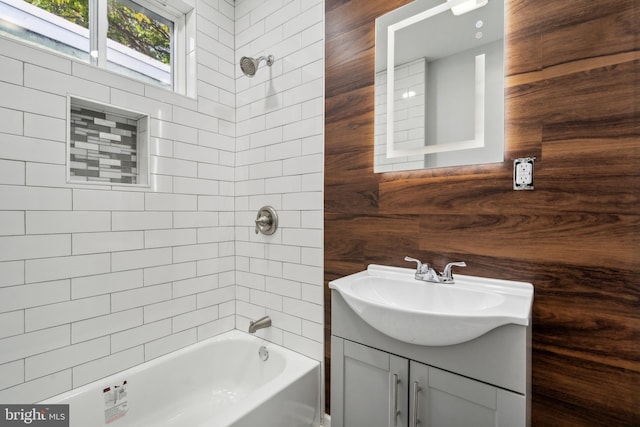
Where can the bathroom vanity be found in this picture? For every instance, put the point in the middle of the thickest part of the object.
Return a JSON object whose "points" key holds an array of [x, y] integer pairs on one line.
{"points": [[379, 380]]}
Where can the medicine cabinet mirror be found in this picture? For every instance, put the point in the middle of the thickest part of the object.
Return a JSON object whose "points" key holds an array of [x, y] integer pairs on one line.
{"points": [[439, 85]]}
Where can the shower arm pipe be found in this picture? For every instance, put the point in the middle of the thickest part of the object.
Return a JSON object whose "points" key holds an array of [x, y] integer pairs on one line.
{"points": [[269, 59]]}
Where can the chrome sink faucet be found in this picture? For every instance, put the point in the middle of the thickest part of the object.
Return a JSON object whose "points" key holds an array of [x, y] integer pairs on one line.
{"points": [[426, 273]]}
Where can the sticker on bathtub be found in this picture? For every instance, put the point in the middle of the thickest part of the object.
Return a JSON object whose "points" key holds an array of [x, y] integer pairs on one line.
{"points": [[116, 403]]}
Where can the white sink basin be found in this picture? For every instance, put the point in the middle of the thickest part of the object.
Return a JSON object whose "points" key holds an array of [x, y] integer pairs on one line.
{"points": [[392, 301]]}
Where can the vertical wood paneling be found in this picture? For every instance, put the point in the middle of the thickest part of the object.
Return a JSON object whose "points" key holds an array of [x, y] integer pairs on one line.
{"points": [[573, 76]]}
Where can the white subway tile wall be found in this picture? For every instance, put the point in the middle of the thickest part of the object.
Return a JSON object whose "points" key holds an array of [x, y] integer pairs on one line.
{"points": [[279, 162], [94, 280]]}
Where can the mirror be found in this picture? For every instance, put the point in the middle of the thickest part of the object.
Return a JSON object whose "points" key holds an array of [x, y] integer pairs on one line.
{"points": [[439, 85]]}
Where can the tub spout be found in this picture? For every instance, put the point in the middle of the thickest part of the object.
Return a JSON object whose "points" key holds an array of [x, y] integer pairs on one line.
{"points": [[263, 322]]}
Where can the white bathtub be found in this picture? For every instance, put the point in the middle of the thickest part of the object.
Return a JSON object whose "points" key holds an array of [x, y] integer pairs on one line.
{"points": [[219, 382]]}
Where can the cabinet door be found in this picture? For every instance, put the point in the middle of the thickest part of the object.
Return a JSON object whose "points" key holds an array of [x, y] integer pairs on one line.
{"points": [[367, 386], [443, 399]]}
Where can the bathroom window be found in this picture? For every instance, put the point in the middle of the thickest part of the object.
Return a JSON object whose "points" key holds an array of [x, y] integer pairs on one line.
{"points": [[142, 39], [137, 36]]}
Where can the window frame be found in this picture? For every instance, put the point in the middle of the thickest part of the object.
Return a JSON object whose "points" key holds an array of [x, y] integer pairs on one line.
{"points": [[183, 64], [179, 12]]}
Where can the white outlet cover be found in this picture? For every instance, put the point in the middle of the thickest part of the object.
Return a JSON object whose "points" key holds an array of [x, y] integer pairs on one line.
{"points": [[523, 173]]}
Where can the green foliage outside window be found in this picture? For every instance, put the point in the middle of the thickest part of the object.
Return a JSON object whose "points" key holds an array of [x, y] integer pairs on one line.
{"points": [[139, 32], [76, 11], [126, 26]]}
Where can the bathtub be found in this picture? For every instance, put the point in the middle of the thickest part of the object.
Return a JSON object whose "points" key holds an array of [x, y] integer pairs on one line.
{"points": [[220, 382]]}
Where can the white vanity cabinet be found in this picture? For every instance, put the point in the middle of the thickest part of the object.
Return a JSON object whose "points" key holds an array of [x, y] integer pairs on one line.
{"points": [[377, 381], [372, 388]]}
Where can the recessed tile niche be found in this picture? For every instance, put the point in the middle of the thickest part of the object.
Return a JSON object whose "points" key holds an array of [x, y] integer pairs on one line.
{"points": [[106, 144]]}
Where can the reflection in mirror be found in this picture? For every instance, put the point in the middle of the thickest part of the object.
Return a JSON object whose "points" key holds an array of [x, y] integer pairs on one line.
{"points": [[439, 91]]}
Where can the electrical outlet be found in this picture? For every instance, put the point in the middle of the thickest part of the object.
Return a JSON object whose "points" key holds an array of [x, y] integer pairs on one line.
{"points": [[523, 173]]}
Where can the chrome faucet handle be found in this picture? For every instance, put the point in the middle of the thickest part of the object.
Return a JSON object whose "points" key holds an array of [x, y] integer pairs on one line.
{"points": [[447, 275], [420, 267], [424, 271]]}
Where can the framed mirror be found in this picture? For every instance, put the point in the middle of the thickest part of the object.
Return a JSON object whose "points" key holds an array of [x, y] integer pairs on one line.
{"points": [[439, 85]]}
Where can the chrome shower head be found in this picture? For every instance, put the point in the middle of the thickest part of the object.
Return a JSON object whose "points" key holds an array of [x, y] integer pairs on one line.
{"points": [[249, 66]]}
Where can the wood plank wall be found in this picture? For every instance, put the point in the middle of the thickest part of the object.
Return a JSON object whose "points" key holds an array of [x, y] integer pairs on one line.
{"points": [[572, 101]]}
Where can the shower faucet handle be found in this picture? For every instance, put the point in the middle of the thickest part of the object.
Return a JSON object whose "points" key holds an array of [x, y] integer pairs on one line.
{"points": [[262, 221], [266, 220]]}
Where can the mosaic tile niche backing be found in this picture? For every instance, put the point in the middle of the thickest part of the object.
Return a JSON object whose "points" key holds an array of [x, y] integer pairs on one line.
{"points": [[103, 146]]}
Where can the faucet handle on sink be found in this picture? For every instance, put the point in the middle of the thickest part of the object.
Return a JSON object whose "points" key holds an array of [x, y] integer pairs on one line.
{"points": [[447, 275], [424, 271], [420, 268]]}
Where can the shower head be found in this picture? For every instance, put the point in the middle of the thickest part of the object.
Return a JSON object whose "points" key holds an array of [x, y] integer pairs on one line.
{"points": [[249, 66]]}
